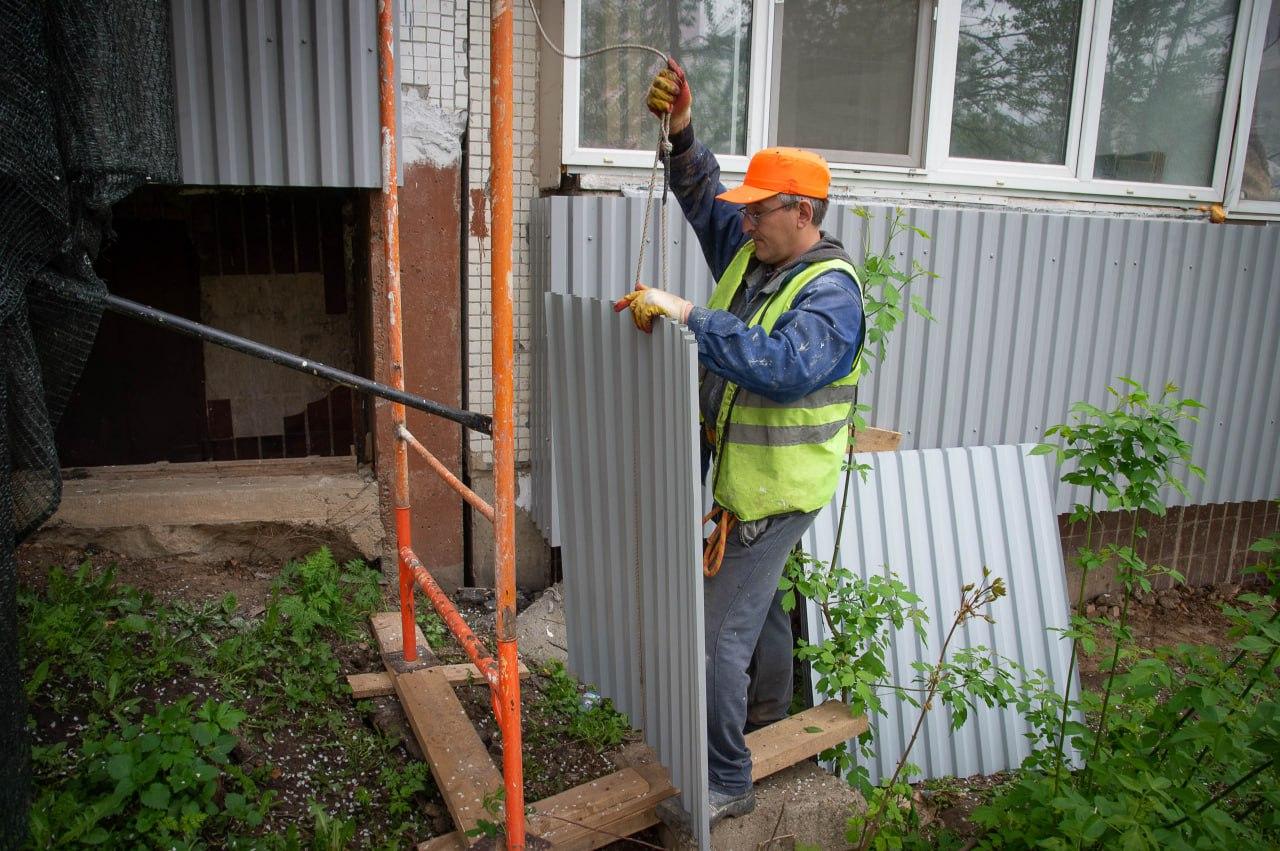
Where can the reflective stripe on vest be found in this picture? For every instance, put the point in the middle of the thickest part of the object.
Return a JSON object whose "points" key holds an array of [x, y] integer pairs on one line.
{"points": [[776, 457]]}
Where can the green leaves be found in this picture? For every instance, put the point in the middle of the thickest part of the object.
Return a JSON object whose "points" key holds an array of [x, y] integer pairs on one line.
{"points": [[885, 285]]}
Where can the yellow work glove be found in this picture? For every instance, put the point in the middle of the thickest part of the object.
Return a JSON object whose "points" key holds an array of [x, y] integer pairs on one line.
{"points": [[670, 93], [647, 303]]}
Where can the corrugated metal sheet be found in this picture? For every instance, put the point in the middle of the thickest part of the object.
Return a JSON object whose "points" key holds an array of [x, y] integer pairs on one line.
{"points": [[588, 246], [1036, 311], [277, 93], [631, 541], [935, 517]]}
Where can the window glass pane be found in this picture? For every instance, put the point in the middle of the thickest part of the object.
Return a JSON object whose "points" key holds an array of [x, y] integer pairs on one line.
{"points": [[710, 38], [1262, 158], [1014, 72], [847, 75], [1162, 99]]}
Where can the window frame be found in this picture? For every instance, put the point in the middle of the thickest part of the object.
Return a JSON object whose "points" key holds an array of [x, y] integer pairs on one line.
{"points": [[939, 172], [1244, 118]]}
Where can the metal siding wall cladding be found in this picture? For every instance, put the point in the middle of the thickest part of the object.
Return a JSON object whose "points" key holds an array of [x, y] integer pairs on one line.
{"points": [[935, 517], [1035, 311], [626, 403], [277, 93]]}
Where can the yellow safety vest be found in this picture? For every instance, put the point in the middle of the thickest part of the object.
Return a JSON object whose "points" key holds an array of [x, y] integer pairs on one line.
{"points": [[773, 457]]}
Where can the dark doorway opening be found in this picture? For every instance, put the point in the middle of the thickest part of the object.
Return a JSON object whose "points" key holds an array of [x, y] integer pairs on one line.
{"points": [[277, 266]]}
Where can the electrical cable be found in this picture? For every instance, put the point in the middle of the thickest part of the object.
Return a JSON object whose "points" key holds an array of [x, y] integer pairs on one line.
{"points": [[587, 55]]}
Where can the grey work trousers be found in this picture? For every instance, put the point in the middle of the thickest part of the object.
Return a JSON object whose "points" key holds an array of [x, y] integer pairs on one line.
{"points": [[749, 644]]}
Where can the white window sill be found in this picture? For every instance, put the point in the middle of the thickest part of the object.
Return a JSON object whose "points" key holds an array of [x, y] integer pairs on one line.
{"points": [[914, 187]]}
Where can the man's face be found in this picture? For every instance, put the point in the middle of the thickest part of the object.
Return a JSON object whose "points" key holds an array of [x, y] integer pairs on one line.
{"points": [[774, 226]]}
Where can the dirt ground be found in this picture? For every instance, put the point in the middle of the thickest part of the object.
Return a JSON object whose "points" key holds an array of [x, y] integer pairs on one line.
{"points": [[305, 765], [1186, 615], [166, 579]]}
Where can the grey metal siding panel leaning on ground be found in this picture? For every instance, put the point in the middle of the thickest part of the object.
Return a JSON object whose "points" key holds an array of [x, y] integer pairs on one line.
{"points": [[625, 403], [936, 517], [1035, 311], [277, 93]]}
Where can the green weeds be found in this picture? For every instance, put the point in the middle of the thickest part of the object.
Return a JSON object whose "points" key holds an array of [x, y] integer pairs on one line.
{"points": [[134, 761], [598, 724]]}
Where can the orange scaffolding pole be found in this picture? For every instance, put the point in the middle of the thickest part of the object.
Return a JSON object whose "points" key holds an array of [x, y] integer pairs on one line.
{"points": [[501, 105], [506, 689]]}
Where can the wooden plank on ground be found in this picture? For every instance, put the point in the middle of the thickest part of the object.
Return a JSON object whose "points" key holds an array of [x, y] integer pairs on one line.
{"points": [[799, 737], [379, 684], [586, 816], [619, 804], [464, 771], [872, 439], [386, 629], [593, 814]]}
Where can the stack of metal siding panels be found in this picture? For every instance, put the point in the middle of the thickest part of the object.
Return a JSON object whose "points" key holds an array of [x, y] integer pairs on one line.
{"points": [[624, 406], [277, 93], [935, 517]]}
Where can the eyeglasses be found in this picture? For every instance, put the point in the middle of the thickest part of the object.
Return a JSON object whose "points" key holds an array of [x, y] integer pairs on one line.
{"points": [[755, 218]]}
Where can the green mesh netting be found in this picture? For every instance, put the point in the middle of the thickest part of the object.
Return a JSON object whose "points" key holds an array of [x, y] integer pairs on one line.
{"points": [[86, 115]]}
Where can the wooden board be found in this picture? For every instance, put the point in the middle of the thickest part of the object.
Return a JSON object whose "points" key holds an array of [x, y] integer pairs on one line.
{"points": [[622, 803], [371, 685], [309, 466], [460, 762], [386, 629], [872, 439], [380, 684], [594, 814], [793, 739]]}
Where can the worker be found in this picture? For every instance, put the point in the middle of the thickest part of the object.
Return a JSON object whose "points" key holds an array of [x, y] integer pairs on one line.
{"points": [[778, 346]]}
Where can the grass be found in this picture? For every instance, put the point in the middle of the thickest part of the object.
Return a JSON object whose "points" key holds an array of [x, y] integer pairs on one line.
{"points": [[188, 725]]}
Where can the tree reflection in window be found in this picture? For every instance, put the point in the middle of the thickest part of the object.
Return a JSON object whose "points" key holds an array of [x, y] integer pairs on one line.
{"points": [[1164, 91], [710, 38], [1014, 70]]}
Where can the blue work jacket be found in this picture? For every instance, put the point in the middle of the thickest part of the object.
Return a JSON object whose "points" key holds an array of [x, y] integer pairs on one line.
{"points": [[811, 345]]}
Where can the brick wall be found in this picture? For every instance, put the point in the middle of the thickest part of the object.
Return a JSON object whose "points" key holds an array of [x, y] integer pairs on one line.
{"points": [[1208, 544]]}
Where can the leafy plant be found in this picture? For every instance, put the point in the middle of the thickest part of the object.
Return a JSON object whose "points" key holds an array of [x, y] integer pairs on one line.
{"points": [[158, 782], [87, 631], [94, 651], [595, 722], [885, 285], [959, 681], [316, 593], [1182, 752], [433, 627], [1124, 456], [861, 617]]}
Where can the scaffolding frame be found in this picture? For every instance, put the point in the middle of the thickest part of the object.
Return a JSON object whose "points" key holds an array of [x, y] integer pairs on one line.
{"points": [[502, 675]]}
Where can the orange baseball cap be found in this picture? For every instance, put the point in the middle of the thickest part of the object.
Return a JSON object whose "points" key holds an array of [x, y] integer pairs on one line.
{"points": [[773, 170]]}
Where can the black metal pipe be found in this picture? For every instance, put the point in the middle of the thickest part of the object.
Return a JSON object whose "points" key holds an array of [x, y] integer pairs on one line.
{"points": [[125, 307]]}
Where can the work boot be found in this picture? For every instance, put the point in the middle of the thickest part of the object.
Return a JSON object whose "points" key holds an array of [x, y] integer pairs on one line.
{"points": [[723, 806]]}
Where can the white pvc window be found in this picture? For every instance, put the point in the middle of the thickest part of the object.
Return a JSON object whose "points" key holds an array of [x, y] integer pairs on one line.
{"points": [[1255, 168], [1120, 99], [711, 38], [849, 79], [1015, 80], [1163, 95]]}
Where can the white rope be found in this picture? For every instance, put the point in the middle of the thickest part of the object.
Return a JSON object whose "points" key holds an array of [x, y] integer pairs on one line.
{"points": [[663, 150]]}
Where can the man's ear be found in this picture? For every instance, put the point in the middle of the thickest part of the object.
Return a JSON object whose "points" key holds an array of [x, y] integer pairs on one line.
{"points": [[805, 216]]}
